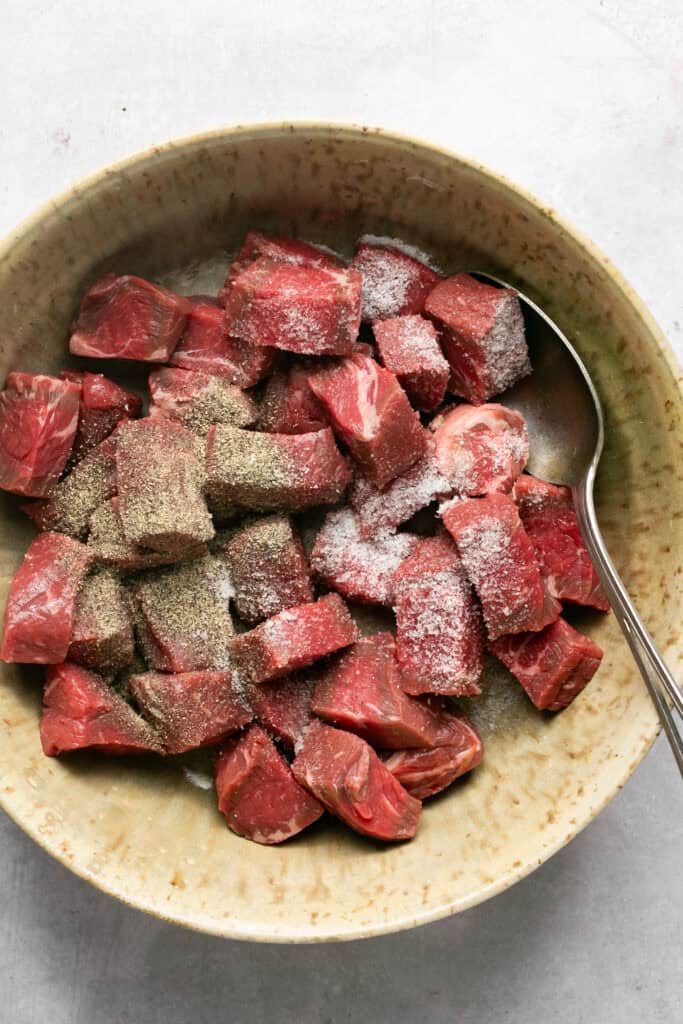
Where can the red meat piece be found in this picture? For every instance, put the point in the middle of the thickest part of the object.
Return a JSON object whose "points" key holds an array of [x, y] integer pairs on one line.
{"points": [[102, 636], [190, 709], [547, 513], [268, 568], [310, 310], [482, 336], [394, 283], [128, 318], [206, 346], [480, 448], [160, 481], [283, 707], [257, 792], [38, 421], [346, 775], [372, 415], [273, 471], [439, 641], [409, 347], [198, 400], [110, 547], [361, 570], [426, 772], [361, 692], [280, 250], [553, 665], [500, 561], [289, 406], [81, 712], [293, 639], [40, 607], [103, 404]]}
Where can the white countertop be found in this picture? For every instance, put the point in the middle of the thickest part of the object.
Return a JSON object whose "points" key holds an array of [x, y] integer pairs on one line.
{"points": [[579, 102]]}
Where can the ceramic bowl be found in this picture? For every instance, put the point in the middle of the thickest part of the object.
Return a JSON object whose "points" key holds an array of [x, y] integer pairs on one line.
{"points": [[140, 830]]}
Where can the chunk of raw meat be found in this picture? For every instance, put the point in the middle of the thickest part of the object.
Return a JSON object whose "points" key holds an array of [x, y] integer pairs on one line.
{"points": [[482, 336], [198, 400], [190, 709], [293, 639], [102, 636], [273, 471], [394, 283], [548, 515], [183, 616], [372, 415], [109, 546], [480, 448], [427, 772], [309, 310], [257, 792], [206, 346], [553, 666], [160, 481], [38, 422], [268, 568], [361, 692], [499, 560], [439, 641], [103, 404], [289, 406], [409, 347], [361, 570], [39, 613], [346, 775], [81, 712], [283, 707], [281, 250], [128, 318]]}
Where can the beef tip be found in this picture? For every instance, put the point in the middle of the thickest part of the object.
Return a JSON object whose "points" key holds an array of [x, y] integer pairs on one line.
{"points": [[427, 772], [394, 283], [198, 400], [103, 405], [102, 636], [480, 449], [409, 347]]}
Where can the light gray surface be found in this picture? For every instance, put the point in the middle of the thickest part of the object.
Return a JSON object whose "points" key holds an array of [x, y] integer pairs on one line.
{"points": [[582, 104]]}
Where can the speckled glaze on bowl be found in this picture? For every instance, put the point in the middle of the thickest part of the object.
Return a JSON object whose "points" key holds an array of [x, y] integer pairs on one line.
{"points": [[138, 830]]}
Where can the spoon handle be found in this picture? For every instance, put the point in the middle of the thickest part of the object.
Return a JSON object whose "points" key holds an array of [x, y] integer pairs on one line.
{"points": [[658, 679]]}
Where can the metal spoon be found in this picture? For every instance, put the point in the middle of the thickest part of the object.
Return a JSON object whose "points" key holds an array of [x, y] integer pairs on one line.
{"points": [[566, 427]]}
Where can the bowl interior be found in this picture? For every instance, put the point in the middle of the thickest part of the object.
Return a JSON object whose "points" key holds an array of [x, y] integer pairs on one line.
{"points": [[140, 829]]}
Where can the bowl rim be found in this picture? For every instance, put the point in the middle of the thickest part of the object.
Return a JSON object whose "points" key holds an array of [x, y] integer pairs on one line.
{"points": [[263, 933]]}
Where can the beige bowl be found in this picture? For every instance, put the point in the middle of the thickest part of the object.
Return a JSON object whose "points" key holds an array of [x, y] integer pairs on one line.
{"points": [[140, 831]]}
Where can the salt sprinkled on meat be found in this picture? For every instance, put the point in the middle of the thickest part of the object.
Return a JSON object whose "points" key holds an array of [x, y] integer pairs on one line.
{"points": [[507, 357], [385, 510], [404, 247], [385, 285]]}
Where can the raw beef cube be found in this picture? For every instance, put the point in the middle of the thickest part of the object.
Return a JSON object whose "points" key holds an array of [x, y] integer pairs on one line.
{"points": [[347, 776], [289, 406], [128, 318], [190, 709], [362, 692], [281, 250], [439, 642], [553, 666], [547, 513], [394, 283], [103, 404], [268, 568], [38, 421], [206, 346], [499, 560], [160, 481], [309, 310], [482, 336], [81, 712], [426, 772], [39, 613], [110, 547], [198, 400], [102, 636], [273, 471], [480, 448], [183, 616], [293, 639], [283, 707], [361, 570], [257, 792], [409, 347], [372, 415]]}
